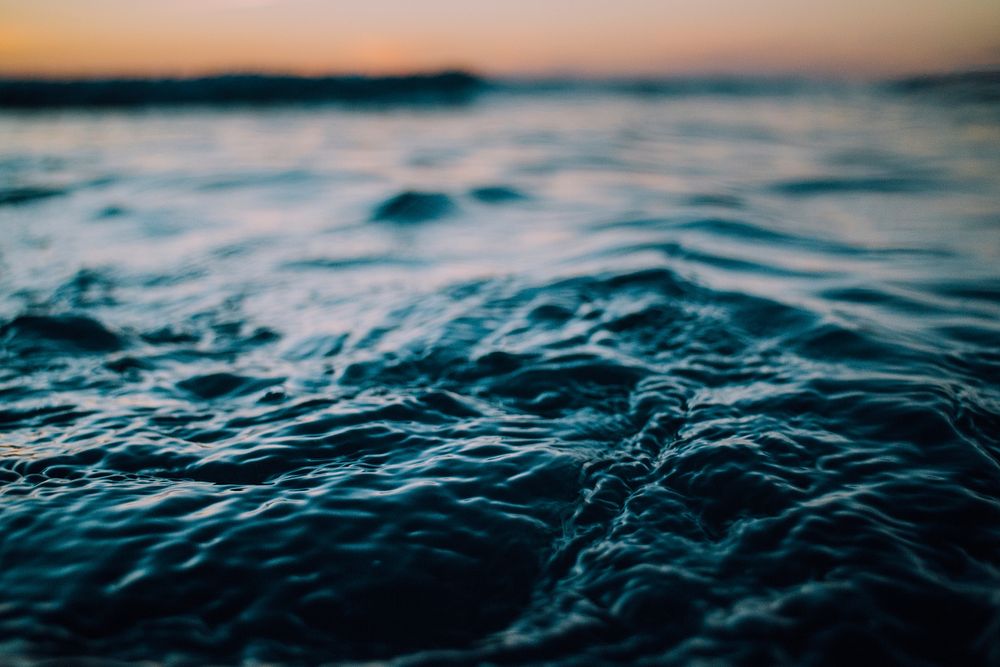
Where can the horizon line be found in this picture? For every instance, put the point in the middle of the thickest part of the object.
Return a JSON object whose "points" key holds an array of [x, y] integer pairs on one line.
{"points": [[554, 76]]}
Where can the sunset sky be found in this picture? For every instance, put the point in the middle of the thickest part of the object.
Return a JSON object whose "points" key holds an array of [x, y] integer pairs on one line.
{"points": [[532, 37]]}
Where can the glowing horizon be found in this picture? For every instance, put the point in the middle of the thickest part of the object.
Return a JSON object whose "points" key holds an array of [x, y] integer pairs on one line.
{"points": [[517, 37]]}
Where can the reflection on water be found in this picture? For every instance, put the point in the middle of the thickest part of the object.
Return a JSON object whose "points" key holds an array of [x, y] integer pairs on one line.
{"points": [[588, 377]]}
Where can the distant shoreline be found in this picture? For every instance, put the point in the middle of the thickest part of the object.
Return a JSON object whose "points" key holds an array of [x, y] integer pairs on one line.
{"points": [[236, 89], [449, 87]]}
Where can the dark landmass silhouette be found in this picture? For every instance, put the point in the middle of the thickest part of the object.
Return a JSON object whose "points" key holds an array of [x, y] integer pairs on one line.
{"points": [[977, 86], [236, 89], [448, 87]]}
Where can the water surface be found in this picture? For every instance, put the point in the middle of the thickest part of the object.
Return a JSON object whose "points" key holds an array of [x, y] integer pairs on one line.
{"points": [[605, 376]]}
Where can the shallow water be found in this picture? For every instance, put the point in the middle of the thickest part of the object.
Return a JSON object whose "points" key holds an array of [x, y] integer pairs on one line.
{"points": [[569, 378]]}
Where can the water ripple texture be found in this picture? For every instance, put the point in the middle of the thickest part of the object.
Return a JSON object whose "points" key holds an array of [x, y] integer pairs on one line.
{"points": [[595, 377]]}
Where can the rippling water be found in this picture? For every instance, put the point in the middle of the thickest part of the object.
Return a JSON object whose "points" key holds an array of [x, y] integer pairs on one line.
{"points": [[573, 378]]}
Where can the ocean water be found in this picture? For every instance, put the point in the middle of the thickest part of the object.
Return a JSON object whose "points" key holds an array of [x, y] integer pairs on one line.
{"points": [[553, 376]]}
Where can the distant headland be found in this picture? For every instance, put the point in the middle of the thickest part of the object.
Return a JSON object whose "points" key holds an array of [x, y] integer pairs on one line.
{"points": [[237, 89]]}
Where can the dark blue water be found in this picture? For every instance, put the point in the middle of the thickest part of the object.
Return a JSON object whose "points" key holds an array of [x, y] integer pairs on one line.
{"points": [[545, 377]]}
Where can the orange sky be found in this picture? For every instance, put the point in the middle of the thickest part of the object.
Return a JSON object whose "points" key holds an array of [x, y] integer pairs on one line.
{"points": [[597, 37]]}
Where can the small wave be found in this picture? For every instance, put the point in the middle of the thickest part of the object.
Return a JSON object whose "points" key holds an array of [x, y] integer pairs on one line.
{"points": [[216, 385], [110, 212], [45, 334], [717, 200], [812, 187], [496, 194], [18, 196], [342, 263], [413, 206]]}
